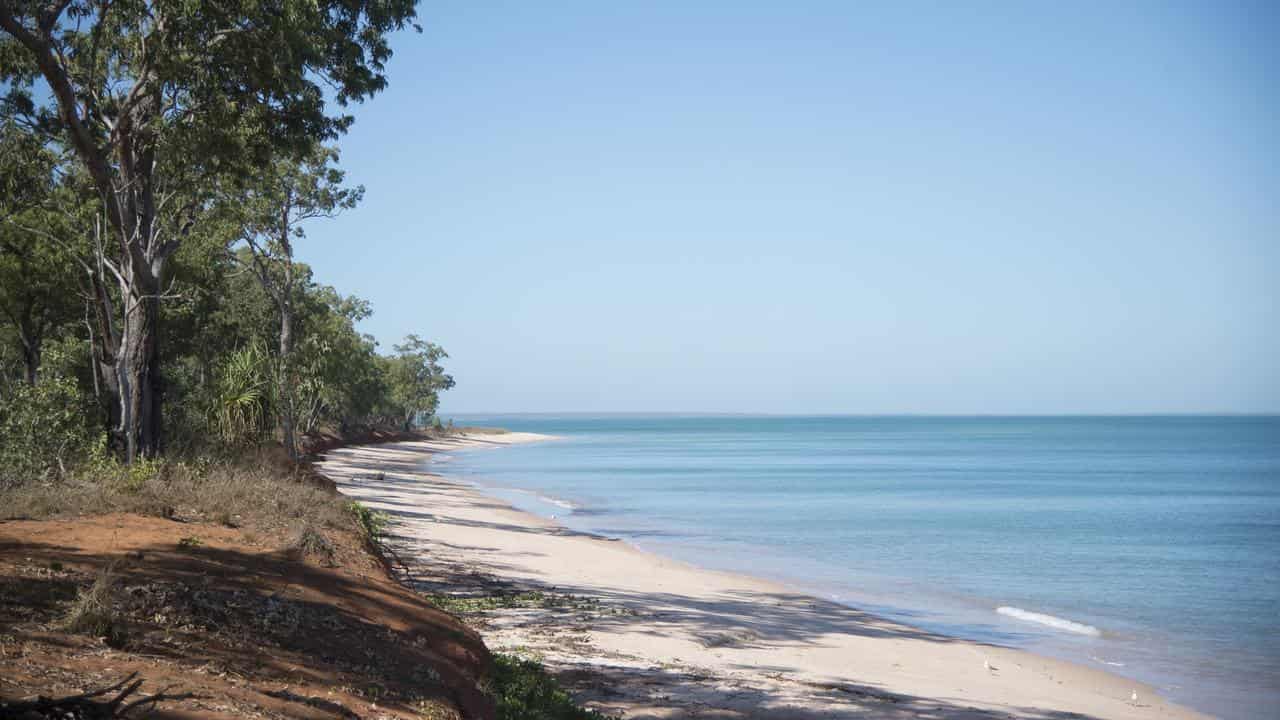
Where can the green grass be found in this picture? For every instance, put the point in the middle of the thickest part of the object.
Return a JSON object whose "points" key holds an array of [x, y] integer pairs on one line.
{"points": [[525, 691]]}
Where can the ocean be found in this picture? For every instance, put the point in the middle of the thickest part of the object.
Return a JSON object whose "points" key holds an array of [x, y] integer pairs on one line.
{"points": [[1148, 546]]}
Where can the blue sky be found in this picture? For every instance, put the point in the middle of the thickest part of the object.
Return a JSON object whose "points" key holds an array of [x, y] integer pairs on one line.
{"points": [[827, 207]]}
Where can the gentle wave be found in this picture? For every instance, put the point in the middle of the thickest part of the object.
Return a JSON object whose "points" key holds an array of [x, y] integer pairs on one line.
{"points": [[1049, 620], [549, 499]]}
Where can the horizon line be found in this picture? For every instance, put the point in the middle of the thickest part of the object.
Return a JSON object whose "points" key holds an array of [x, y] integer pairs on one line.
{"points": [[713, 413]]}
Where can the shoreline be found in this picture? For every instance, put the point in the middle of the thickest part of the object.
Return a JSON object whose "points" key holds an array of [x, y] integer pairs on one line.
{"points": [[642, 635]]}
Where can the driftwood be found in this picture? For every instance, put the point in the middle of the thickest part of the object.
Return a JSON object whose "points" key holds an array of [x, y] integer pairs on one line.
{"points": [[94, 705]]}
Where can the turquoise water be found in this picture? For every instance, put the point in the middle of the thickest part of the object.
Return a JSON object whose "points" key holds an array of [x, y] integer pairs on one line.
{"points": [[1156, 538]]}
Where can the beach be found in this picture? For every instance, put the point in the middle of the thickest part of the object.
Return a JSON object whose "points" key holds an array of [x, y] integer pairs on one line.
{"points": [[639, 635]]}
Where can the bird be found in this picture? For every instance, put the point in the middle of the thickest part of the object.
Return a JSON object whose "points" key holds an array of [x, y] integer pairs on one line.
{"points": [[987, 664], [1133, 697]]}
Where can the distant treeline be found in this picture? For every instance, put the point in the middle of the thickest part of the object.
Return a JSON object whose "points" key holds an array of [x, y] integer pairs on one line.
{"points": [[158, 164]]}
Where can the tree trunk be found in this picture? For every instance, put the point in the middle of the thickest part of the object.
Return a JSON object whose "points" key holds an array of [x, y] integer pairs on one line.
{"points": [[31, 337], [122, 166], [137, 367], [31, 359], [109, 380], [287, 419], [104, 344]]}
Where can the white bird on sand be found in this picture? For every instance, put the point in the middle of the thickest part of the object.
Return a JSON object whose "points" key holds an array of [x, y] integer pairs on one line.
{"points": [[987, 664], [1133, 697]]}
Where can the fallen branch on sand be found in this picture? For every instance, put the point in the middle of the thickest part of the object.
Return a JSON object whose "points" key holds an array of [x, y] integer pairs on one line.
{"points": [[91, 705]]}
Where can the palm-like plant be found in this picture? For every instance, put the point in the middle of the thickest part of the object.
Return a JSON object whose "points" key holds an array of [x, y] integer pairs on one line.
{"points": [[244, 390]]}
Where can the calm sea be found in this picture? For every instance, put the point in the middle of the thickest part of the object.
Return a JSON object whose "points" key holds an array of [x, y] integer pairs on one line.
{"points": [[1149, 546]]}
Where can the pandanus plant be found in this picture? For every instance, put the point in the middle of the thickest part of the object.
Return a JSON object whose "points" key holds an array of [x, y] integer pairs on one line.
{"points": [[244, 391]]}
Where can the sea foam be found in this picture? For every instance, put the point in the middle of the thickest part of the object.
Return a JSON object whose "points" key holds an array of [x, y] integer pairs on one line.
{"points": [[1049, 620], [558, 502]]}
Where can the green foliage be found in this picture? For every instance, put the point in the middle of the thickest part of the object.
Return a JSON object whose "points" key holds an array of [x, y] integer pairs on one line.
{"points": [[416, 379], [133, 477], [372, 523], [182, 133], [341, 379], [241, 82], [105, 469], [44, 430], [272, 209], [37, 294], [243, 394], [171, 111], [524, 690]]}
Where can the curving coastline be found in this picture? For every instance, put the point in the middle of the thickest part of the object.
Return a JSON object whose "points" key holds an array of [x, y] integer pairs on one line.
{"points": [[636, 633]]}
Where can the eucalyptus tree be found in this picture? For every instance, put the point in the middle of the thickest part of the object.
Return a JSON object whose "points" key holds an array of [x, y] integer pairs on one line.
{"points": [[164, 101], [416, 378], [278, 204], [341, 378]]}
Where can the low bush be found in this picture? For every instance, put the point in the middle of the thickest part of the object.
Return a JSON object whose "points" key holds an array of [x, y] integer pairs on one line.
{"points": [[44, 430], [371, 523], [524, 690]]}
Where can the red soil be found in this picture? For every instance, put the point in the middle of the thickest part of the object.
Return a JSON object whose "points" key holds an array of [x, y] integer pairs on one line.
{"points": [[247, 627]]}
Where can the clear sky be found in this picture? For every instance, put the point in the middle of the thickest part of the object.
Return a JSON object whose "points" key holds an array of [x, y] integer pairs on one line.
{"points": [[839, 207]]}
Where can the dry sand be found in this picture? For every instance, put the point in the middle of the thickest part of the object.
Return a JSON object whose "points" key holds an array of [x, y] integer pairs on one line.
{"points": [[643, 636]]}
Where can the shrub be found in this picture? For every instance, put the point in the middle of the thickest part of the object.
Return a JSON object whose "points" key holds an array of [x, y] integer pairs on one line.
{"points": [[370, 522], [524, 690], [243, 395], [43, 430]]}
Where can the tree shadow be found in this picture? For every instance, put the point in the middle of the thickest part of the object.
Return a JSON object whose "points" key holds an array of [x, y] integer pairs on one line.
{"points": [[265, 616], [673, 694]]}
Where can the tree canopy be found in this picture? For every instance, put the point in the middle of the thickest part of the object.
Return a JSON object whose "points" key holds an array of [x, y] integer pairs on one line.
{"points": [[159, 162], [165, 105]]}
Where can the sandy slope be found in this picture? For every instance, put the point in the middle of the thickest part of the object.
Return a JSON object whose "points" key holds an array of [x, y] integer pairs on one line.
{"points": [[230, 620], [643, 636]]}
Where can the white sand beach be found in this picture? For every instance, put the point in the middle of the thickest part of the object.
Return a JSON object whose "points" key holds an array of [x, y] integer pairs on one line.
{"points": [[642, 636]]}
